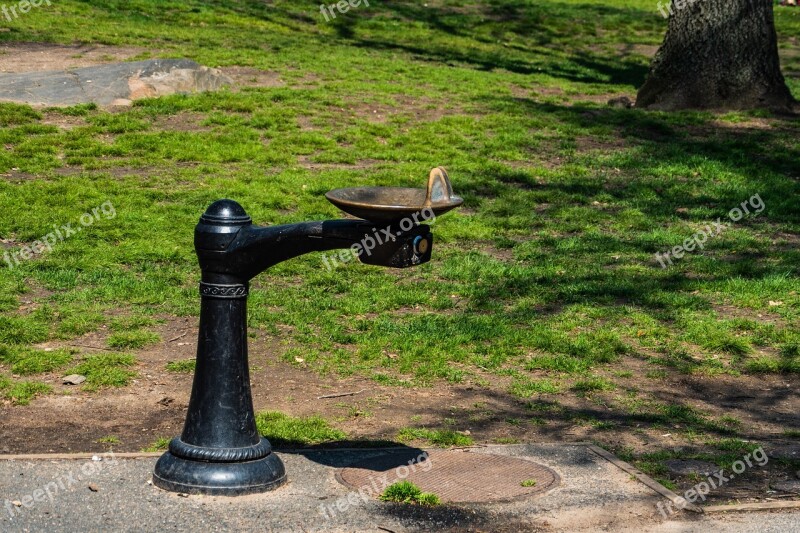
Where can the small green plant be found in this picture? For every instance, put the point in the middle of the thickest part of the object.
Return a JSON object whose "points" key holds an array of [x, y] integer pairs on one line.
{"points": [[668, 483], [23, 392], [428, 499], [132, 340], [406, 492], [506, 440], [159, 445], [186, 366], [108, 440], [771, 365], [437, 437], [130, 323], [658, 373], [525, 388], [528, 483], [27, 361], [287, 431]]}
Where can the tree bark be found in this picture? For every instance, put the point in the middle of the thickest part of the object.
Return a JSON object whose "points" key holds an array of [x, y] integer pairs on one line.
{"points": [[718, 54]]}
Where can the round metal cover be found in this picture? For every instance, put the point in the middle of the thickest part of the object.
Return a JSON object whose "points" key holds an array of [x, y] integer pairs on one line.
{"points": [[456, 476]]}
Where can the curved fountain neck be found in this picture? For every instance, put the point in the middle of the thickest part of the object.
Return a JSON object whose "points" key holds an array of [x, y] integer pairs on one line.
{"points": [[242, 252]]}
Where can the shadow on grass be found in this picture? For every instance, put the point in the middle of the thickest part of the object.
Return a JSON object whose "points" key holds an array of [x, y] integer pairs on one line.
{"points": [[518, 37], [673, 413]]}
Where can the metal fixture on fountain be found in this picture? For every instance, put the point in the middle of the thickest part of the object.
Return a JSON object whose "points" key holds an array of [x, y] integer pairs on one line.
{"points": [[220, 451]]}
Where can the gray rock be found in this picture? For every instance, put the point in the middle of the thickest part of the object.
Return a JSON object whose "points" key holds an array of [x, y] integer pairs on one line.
{"points": [[113, 84], [789, 451], [685, 467], [74, 379], [790, 485]]}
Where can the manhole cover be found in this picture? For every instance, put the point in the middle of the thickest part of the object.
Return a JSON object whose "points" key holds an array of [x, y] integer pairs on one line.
{"points": [[454, 476]]}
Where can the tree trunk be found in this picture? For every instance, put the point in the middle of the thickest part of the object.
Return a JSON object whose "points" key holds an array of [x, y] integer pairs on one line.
{"points": [[718, 54]]}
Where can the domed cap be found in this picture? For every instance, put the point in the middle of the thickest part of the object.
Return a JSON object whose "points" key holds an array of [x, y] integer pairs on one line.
{"points": [[225, 212]]}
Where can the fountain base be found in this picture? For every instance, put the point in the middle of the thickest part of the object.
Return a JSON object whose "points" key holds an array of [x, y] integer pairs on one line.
{"points": [[187, 476]]}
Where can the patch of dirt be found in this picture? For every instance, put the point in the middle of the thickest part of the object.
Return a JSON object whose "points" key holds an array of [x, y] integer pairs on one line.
{"points": [[124, 171], [305, 123], [420, 109], [181, 122], [31, 57], [253, 77], [305, 162], [729, 312], [17, 176], [587, 144], [63, 122]]}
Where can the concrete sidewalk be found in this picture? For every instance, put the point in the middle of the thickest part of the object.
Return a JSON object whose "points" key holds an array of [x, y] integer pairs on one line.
{"points": [[116, 495]]}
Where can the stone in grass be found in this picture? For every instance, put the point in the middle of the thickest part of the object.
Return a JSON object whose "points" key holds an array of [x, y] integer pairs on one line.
{"points": [[113, 84], [74, 379], [687, 467], [790, 485]]}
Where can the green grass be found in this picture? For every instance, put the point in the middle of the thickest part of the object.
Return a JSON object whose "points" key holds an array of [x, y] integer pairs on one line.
{"points": [[131, 340], [528, 483], [23, 392], [160, 445], [28, 361], [406, 492], [548, 272], [438, 437], [506, 440], [105, 370], [525, 388], [185, 366], [287, 431]]}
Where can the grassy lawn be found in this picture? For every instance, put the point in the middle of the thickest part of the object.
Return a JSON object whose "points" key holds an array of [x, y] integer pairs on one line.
{"points": [[547, 278]]}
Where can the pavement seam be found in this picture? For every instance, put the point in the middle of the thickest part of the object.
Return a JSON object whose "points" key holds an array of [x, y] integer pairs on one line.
{"points": [[679, 502]]}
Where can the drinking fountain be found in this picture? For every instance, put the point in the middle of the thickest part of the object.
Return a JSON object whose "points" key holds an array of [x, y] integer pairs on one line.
{"points": [[220, 451]]}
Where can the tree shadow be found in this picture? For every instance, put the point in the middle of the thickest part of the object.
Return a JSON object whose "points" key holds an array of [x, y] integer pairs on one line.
{"points": [[487, 25], [663, 139]]}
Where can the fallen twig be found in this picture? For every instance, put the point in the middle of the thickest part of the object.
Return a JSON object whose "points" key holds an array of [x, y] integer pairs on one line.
{"points": [[90, 347], [182, 335], [341, 394]]}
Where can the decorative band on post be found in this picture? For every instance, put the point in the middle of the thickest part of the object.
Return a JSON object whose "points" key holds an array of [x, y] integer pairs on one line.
{"points": [[179, 448], [212, 290]]}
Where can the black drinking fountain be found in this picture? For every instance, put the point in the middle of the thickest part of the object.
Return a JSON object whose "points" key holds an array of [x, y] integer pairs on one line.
{"points": [[220, 451]]}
